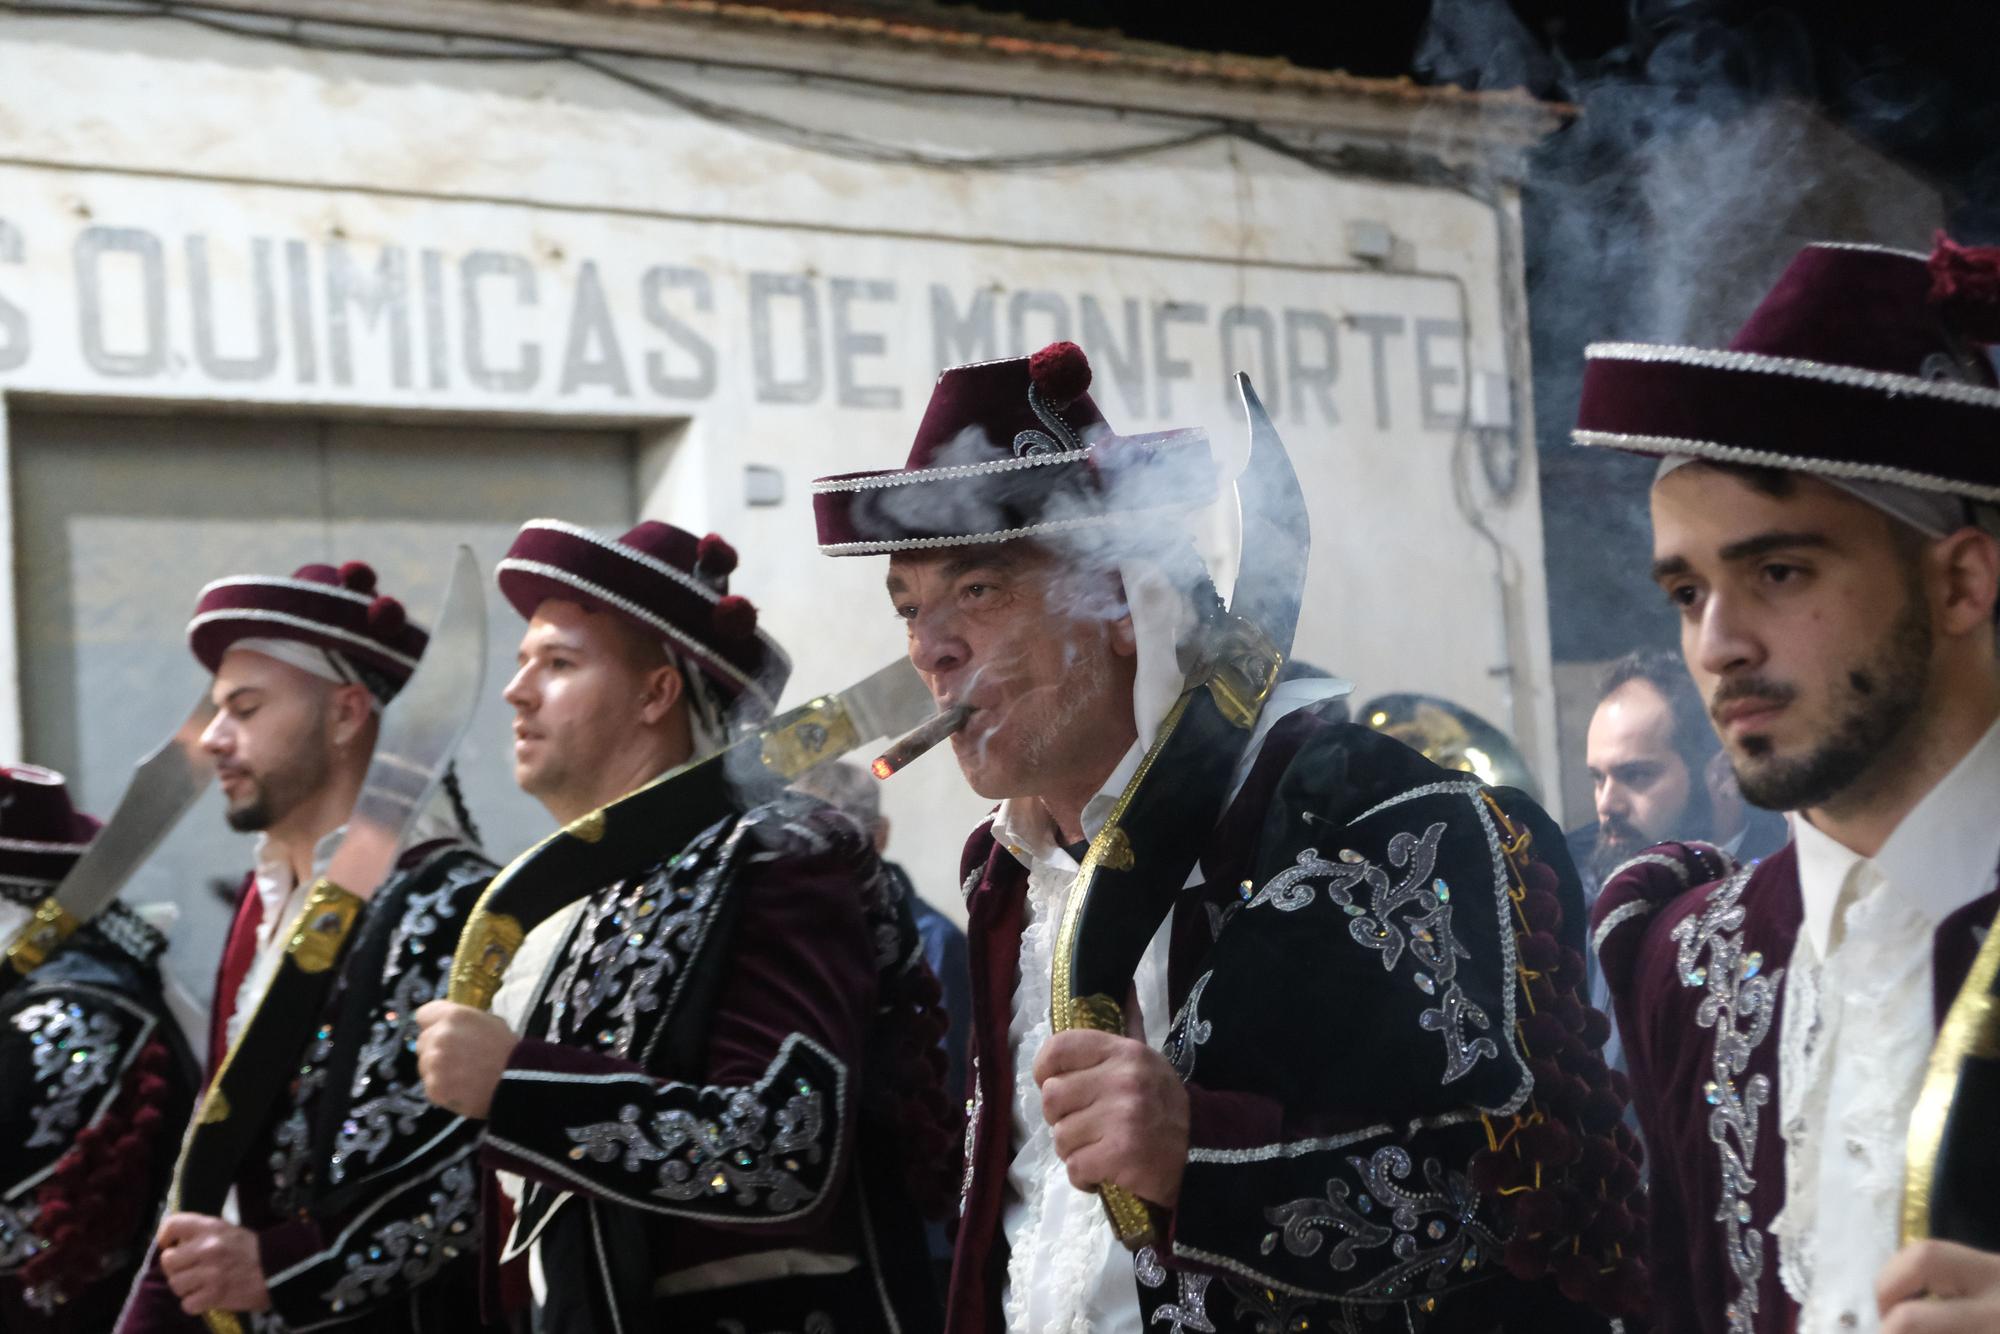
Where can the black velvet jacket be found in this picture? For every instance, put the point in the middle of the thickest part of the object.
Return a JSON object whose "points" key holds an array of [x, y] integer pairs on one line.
{"points": [[1352, 976], [96, 1082], [363, 1195]]}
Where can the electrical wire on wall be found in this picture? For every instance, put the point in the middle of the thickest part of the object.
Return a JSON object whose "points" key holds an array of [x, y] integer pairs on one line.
{"points": [[1400, 164]]}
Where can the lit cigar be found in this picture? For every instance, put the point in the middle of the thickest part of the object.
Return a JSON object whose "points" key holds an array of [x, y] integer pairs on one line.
{"points": [[921, 739]]}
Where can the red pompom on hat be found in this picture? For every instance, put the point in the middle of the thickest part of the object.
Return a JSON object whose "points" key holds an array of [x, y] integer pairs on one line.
{"points": [[386, 616], [357, 576], [1060, 373], [1965, 287], [735, 617], [714, 557]]}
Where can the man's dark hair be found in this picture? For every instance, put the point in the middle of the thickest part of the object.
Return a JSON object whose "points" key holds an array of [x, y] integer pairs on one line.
{"points": [[1693, 739]]}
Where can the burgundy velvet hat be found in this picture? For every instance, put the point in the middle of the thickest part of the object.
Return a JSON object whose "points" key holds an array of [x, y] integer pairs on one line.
{"points": [[41, 834], [664, 580], [1013, 448], [1863, 363], [318, 605]]}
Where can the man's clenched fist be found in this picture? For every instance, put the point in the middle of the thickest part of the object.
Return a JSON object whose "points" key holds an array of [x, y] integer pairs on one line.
{"points": [[1119, 1111], [212, 1265], [1939, 1287], [461, 1054]]}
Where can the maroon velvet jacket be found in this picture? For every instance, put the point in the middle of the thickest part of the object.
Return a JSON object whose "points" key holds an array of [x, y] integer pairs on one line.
{"points": [[694, 1089], [1696, 979], [1346, 1058]]}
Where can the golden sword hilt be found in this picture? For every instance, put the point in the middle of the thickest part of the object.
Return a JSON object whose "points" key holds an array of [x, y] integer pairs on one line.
{"points": [[45, 932], [318, 932], [1130, 1218]]}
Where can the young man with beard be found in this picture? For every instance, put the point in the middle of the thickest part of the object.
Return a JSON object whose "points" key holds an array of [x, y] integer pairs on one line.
{"points": [[95, 1082], [356, 1205], [1822, 524], [1360, 1022], [714, 1079]]}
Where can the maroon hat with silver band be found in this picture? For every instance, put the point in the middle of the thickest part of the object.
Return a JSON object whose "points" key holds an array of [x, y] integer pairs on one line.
{"points": [[368, 637], [1011, 449], [41, 834], [1864, 365], [666, 581]]}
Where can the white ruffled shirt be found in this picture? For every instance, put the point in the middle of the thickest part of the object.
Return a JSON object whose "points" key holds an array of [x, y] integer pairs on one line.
{"points": [[1859, 984], [1066, 1271]]}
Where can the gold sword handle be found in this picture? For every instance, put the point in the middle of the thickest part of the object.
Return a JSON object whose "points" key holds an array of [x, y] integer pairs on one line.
{"points": [[322, 926], [487, 947], [1130, 1218], [320, 929], [45, 932]]}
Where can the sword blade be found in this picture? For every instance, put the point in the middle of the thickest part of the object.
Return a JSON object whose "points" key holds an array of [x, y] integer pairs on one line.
{"points": [[421, 728], [886, 702], [164, 785], [1271, 580]]}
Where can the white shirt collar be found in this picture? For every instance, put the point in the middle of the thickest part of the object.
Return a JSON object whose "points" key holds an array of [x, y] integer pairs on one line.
{"points": [[1942, 856]]}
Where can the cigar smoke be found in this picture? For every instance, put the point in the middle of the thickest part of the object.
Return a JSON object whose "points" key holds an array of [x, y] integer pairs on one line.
{"points": [[920, 739]]}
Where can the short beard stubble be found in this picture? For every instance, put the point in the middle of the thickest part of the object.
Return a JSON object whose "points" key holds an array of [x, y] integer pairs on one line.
{"points": [[1883, 696]]}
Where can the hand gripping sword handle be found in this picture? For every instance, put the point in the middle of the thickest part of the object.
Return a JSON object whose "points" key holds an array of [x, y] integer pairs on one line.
{"points": [[1130, 1218]]}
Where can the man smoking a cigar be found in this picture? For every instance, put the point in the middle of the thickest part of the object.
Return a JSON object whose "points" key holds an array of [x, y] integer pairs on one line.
{"points": [[1320, 1120]]}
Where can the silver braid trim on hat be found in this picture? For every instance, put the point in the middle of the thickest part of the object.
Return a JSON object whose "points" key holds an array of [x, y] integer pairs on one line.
{"points": [[688, 581], [953, 472], [300, 623], [1764, 458], [709, 657], [1870, 247], [296, 585], [1798, 368]]}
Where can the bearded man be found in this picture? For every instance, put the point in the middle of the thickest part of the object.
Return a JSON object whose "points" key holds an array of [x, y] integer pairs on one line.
{"points": [[1658, 772], [357, 1206], [1822, 526], [1335, 1064], [714, 1080]]}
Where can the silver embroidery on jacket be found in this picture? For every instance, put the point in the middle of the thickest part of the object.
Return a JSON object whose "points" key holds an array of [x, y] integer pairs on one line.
{"points": [[973, 1106], [18, 1240], [751, 1150], [1189, 1030], [1739, 1001], [1411, 917], [1433, 1235], [411, 1250], [1188, 1312], [75, 1053], [372, 1123], [291, 1142]]}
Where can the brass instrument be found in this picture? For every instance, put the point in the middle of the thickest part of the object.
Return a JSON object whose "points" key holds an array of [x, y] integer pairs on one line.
{"points": [[1451, 737]]}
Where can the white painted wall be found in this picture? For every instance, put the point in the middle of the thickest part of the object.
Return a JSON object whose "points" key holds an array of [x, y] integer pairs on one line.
{"points": [[224, 220]]}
